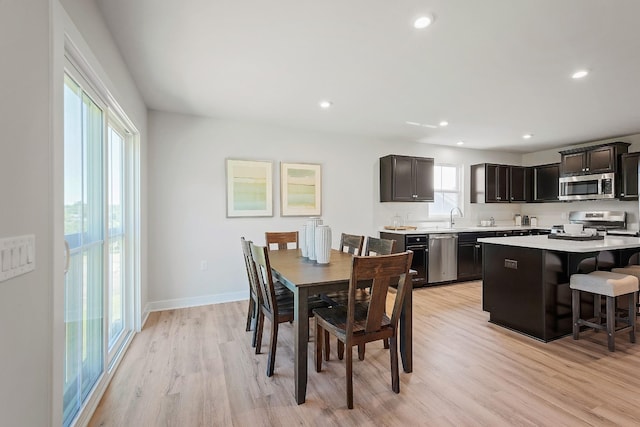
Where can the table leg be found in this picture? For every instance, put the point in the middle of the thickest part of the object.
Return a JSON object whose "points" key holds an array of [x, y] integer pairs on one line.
{"points": [[406, 329], [301, 340]]}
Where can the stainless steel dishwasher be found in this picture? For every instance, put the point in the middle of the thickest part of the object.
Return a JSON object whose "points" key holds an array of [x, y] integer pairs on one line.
{"points": [[443, 258]]}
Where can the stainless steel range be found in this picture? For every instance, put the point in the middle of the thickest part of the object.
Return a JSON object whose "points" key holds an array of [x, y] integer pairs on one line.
{"points": [[609, 221]]}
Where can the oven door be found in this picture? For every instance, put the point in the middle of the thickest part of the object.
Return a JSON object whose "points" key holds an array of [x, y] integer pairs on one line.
{"points": [[587, 187]]}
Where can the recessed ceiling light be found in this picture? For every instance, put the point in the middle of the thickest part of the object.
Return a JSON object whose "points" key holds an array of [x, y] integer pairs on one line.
{"points": [[423, 22], [325, 104], [460, 143], [444, 123], [580, 74], [527, 135]]}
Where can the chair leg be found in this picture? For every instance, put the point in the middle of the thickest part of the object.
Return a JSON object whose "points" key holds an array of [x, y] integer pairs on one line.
{"points": [[393, 355], [361, 348], [632, 316], [272, 348], [327, 345], [575, 308], [250, 314], [340, 350], [320, 336], [611, 323], [258, 331], [349, 365]]}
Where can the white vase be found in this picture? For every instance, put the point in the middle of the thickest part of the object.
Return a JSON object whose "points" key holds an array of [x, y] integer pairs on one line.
{"points": [[323, 244], [311, 237], [302, 240]]}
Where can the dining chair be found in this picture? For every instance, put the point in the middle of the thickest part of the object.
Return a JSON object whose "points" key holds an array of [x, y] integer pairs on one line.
{"points": [[277, 308], [255, 296], [356, 324], [377, 246], [281, 239], [351, 243]]}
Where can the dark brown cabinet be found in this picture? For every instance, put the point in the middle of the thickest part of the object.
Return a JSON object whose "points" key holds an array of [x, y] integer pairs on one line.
{"points": [[546, 183], [470, 255], [629, 182], [592, 160], [491, 183], [406, 179]]}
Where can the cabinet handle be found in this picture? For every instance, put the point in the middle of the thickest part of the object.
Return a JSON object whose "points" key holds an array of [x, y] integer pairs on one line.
{"points": [[477, 246]]}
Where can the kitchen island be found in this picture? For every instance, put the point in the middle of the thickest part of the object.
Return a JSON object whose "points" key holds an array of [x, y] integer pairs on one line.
{"points": [[526, 279]]}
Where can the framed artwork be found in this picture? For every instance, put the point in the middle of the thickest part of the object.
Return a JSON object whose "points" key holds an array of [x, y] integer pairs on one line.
{"points": [[249, 188], [301, 189]]}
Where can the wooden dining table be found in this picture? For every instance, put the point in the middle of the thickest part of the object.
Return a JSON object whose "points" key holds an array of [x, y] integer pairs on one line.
{"points": [[304, 278]]}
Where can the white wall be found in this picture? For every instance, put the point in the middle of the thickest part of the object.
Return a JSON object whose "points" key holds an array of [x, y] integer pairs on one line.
{"points": [[25, 313], [187, 205]]}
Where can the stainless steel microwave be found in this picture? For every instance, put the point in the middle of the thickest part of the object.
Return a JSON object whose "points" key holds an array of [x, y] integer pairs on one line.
{"points": [[588, 187]]}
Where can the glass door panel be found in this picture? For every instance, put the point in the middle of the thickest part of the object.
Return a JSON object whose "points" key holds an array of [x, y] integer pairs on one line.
{"points": [[84, 232]]}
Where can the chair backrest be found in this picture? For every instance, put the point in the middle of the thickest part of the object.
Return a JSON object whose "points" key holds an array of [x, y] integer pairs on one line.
{"points": [[382, 271], [265, 279], [281, 238], [352, 243], [251, 269], [377, 246]]}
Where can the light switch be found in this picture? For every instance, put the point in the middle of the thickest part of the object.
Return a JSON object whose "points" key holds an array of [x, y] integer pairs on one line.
{"points": [[17, 256]]}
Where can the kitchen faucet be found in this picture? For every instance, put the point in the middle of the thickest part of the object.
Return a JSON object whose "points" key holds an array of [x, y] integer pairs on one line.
{"points": [[451, 215]]}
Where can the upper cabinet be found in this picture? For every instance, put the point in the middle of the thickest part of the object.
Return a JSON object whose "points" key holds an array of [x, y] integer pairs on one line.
{"points": [[491, 183], [406, 179], [592, 160], [546, 183], [629, 181]]}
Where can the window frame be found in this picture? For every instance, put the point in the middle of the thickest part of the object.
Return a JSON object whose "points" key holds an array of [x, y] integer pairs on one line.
{"points": [[459, 191]]}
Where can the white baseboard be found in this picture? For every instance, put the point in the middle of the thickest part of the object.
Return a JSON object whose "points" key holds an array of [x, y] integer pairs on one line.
{"points": [[172, 304]]}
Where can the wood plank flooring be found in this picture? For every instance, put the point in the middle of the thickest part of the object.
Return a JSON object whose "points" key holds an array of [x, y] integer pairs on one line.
{"points": [[196, 367]]}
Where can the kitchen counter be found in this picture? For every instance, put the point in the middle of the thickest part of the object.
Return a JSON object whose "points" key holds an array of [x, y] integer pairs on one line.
{"points": [[436, 230], [525, 279], [544, 243]]}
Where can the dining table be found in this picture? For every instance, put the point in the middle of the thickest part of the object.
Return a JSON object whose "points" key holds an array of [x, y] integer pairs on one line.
{"points": [[304, 278]]}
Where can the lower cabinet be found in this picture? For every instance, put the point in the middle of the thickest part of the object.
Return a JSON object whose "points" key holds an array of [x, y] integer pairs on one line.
{"points": [[470, 255]]}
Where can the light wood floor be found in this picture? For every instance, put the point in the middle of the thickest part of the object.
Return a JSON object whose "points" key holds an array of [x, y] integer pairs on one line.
{"points": [[195, 367]]}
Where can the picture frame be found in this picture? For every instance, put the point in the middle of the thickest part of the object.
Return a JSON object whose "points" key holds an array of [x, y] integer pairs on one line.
{"points": [[249, 188], [300, 189]]}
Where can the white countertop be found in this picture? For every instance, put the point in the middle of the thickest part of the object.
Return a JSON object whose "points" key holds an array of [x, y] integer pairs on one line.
{"points": [[543, 242], [435, 230]]}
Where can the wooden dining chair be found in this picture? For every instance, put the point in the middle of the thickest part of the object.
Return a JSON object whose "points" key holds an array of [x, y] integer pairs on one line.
{"points": [[377, 246], [281, 239], [277, 308], [356, 324], [255, 296], [351, 243]]}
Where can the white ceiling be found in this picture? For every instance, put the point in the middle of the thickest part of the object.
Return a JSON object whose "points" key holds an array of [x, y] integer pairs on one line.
{"points": [[495, 69]]}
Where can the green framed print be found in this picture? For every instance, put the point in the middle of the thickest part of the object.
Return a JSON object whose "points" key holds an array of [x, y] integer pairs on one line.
{"points": [[249, 188], [300, 189]]}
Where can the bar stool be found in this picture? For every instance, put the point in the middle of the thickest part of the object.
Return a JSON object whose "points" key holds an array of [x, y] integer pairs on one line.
{"points": [[611, 285], [633, 270]]}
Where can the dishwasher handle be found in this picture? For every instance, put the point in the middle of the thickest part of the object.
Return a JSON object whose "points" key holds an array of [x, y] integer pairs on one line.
{"points": [[442, 236]]}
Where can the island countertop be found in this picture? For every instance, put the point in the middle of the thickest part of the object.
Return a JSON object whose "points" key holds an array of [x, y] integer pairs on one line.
{"points": [[544, 243]]}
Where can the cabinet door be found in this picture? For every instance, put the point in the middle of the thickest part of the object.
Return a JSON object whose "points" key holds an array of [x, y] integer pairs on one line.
{"points": [[546, 182], [403, 188], [629, 185], [423, 179], [573, 164], [601, 160], [517, 184], [467, 268], [502, 189]]}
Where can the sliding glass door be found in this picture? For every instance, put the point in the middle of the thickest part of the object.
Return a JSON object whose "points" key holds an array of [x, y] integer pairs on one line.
{"points": [[99, 217], [84, 233]]}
